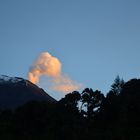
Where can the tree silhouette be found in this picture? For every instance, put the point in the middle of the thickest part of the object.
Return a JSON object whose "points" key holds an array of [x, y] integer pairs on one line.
{"points": [[130, 100], [91, 100], [70, 99], [116, 116], [117, 86]]}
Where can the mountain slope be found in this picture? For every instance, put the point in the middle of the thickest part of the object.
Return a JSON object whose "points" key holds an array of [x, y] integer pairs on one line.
{"points": [[15, 91]]}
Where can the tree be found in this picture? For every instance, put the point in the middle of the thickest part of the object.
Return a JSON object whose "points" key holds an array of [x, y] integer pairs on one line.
{"points": [[92, 101], [73, 98], [70, 101], [130, 100], [117, 86]]}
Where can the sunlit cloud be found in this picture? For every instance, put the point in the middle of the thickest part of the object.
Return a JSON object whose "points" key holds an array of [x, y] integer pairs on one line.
{"points": [[50, 66]]}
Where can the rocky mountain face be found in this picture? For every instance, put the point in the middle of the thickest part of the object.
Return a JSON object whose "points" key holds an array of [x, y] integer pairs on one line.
{"points": [[15, 91]]}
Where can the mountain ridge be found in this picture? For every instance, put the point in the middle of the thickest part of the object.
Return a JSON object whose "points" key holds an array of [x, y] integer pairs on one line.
{"points": [[16, 91]]}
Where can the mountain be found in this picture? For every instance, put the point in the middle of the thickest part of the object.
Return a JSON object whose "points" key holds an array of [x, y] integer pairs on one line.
{"points": [[16, 91]]}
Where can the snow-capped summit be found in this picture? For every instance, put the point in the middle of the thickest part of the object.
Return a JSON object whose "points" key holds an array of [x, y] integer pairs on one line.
{"points": [[16, 91], [7, 79]]}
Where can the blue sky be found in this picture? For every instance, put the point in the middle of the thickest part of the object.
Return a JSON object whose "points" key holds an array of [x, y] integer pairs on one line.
{"points": [[94, 39]]}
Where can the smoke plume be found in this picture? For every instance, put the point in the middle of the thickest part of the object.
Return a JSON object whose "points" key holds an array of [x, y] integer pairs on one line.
{"points": [[50, 66]]}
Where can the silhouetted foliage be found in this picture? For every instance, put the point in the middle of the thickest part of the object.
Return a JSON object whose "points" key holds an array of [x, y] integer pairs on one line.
{"points": [[92, 101], [78, 116], [117, 86]]}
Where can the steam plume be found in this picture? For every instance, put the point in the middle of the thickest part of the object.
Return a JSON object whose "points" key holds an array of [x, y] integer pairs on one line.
{"points": [[50, 67]]}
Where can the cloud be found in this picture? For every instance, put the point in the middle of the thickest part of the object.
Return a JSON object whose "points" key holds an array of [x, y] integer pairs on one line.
{"points": [[50, 66]]}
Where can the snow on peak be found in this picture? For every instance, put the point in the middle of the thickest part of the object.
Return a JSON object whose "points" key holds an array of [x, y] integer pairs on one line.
{"points": [[7, 79]]}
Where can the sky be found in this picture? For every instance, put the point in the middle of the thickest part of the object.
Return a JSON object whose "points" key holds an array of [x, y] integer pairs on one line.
{"points": [[95, 40]]}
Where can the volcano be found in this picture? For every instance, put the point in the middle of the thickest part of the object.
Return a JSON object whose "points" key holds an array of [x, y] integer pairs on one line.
{"points": [[16, 91]]}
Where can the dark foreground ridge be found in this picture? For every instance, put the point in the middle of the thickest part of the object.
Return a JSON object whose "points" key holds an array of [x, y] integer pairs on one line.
{"points": [[15, 91], [86, 115]]}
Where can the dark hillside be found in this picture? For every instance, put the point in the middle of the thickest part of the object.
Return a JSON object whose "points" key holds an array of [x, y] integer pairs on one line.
{"points": [[16, 91]]}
